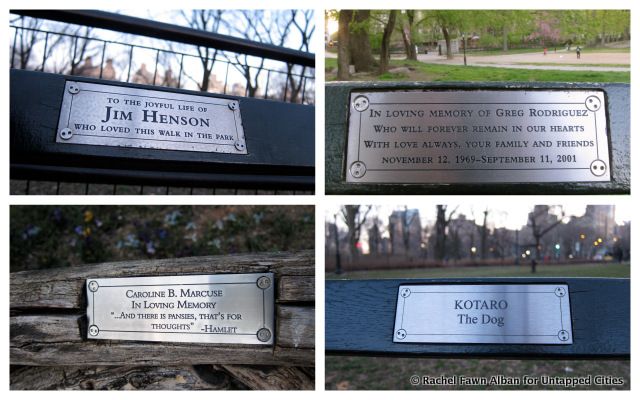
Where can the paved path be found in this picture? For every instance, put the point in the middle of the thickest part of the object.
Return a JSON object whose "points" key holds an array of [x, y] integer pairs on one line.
{"points": [[560, 60]]}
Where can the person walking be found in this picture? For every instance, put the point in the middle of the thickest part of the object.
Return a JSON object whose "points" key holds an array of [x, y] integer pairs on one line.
{"points": [[578, 49]]}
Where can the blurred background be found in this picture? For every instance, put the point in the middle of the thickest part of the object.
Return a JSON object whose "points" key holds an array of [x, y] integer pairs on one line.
{"points": [[49, 46], [60, 236], [431, 240]]}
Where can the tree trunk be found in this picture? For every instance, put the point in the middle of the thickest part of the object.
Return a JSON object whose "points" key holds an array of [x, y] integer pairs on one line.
{"points": [[505, 38], [441, 225], [359, 44], [343, 44], [385, 52], [408, 39], [447, 40]]}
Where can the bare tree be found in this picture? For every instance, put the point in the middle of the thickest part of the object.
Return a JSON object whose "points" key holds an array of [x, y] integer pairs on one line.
{"points": [[210, 21], [354, 217], [295, 82], [539, 228], [442, 221]]}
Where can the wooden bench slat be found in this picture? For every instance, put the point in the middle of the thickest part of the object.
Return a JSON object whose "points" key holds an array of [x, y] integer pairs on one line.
{"points": [[360, 316], [296, 326], [296, 288], [63, 287]]}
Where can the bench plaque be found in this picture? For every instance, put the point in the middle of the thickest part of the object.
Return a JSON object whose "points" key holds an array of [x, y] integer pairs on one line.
{"points": [[505, 314], [477, 136], [234, 308], [109, 115]]}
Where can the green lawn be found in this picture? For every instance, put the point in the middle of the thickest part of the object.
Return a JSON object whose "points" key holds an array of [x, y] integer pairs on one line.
{"points": [[447, 73], [612, 270]]}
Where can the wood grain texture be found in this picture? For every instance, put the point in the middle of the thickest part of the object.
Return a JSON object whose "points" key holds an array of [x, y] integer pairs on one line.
{"points": [[123, 378], [296, 288], [359, 319], [64, 287], [295, 326], [48, 322], [271, 378]]}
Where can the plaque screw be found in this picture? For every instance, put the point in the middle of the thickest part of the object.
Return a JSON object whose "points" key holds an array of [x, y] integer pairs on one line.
{"points": [[361, 103], [401, 334], [73, 89], [263, 282], [93, 330], [93, 286], [592, 103], [563, 335], [66, 133], [560, 292], [358, 169], [239, 144], [233, 105], [405, 292], [264, 335], [598, 167]]}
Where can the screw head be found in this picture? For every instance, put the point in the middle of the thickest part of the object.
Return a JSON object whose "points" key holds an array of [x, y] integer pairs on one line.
{"points": [[560, 292], [592, 103], [66, 133], [360, 103], [563, 335], [240, 145], [93, 330], [233, 105], [598, 167], [93, 286], [263, 282], [401, 334], [73, 88], [405, 292], [264, 335], [358, 169]]}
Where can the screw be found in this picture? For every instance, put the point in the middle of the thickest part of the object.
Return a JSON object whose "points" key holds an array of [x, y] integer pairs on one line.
{"points": [[560, 292], [73, 89], [405, 292], [361, 103], [239, 144], [358, 169], [563, 335], [264, 335], [598, 167], [66, 133], [93, 286], [93, 330], [233, 105], [401, 334], [263, 282]]}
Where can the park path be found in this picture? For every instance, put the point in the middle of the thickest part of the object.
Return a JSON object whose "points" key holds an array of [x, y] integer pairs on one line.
{"points": [[560, 60]]}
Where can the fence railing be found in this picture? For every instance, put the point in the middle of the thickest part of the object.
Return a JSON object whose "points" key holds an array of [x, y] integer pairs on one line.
{"points": [[177, 57]]}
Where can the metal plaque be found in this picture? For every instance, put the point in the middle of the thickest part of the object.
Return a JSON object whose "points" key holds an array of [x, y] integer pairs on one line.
{"points": [[235, 308], [477, 136], [107, 115], [513, 314]]}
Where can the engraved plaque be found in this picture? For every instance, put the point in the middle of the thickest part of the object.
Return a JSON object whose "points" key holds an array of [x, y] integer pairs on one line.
{"points": [[510, 314], [477, 136], [107, 115], [235, 308]]}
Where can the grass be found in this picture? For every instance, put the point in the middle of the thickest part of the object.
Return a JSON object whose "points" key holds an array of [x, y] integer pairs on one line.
{"points": [[575, 64], [447, 73], [612, 270], [382, 373]]}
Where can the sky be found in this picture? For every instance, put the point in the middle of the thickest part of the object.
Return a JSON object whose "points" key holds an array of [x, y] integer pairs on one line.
{"points": [[510, 214]]}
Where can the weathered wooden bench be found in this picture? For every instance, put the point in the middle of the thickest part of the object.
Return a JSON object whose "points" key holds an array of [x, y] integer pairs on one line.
{"points": [[360, 316], [48, 328]]}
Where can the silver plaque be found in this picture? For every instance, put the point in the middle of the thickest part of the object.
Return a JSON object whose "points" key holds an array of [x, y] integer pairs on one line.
{"points": [[106, 115], [475, 136], [524, 314], [236, 308]]}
